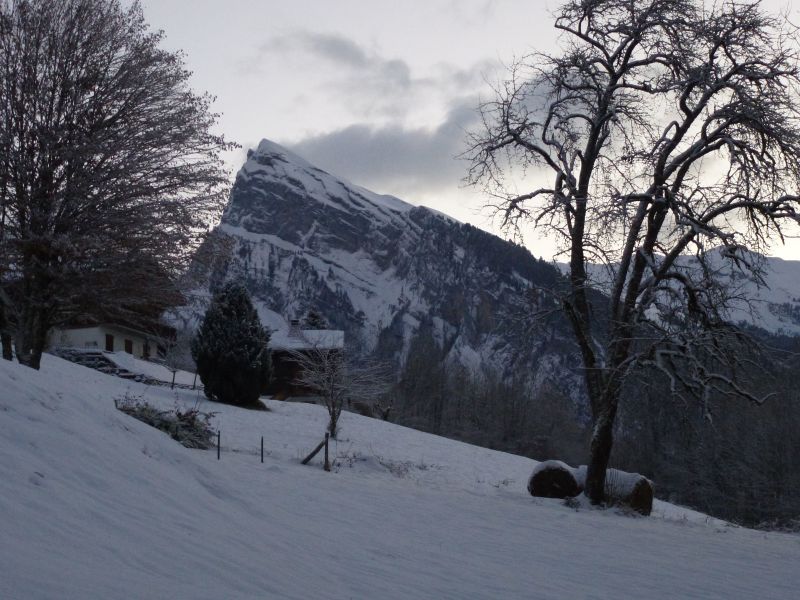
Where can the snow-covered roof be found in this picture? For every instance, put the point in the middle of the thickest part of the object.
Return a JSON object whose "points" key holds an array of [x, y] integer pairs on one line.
{"points": [[304, 339]]}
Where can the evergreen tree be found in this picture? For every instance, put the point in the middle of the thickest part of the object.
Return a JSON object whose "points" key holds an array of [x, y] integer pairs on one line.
{"points": [[230, 349]]}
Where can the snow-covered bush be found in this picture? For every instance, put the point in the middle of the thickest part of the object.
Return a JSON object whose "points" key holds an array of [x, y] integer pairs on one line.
{"points": [[230, 349], [190, 427]]}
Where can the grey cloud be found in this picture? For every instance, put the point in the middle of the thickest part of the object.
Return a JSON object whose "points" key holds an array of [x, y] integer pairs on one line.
{"points": [[471, 13], [394, 159], [345, 52], [358, 77], [335, 48], [365, 81], [338, 50], [397, 71]]}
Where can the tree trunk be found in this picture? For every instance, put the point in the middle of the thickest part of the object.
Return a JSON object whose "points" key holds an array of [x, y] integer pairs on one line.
{"points": [[31, 337], [334, 423], [5, 337], [8, 350], [602, 442]]}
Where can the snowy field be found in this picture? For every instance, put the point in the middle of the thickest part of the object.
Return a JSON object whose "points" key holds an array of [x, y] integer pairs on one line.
{"points": [[94, 504]]}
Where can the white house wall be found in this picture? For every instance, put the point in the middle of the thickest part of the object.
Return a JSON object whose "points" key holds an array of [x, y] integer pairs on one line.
{"points": [[95, 337]]}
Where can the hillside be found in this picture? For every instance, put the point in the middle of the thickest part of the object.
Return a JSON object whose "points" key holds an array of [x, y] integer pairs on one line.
{"points": [[95, 504]]}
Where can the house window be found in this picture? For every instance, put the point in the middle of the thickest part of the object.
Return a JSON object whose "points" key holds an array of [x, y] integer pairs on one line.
{"points": [[129, 346], [109, 342]]}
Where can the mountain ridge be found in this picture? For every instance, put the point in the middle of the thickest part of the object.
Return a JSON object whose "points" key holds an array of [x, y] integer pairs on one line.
{"points": [[383, 270], [389, 273]]}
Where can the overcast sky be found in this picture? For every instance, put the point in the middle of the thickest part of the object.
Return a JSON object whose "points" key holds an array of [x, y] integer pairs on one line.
{"points": [[377, 91]]}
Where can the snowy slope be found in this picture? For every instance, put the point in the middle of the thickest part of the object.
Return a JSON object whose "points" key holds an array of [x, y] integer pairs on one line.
{"points": [[94, 504], [151, 369], [775, 304]]}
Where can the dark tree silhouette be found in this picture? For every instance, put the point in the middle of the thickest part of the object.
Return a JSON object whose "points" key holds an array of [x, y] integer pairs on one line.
{"points": [[109, 172], [665, 129]]}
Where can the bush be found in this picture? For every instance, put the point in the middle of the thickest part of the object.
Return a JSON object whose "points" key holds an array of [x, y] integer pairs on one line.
{"points": [[191, 427], [230, 350]]}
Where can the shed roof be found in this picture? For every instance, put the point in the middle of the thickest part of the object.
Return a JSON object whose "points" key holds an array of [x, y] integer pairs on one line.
{"points": [[306, 339]]}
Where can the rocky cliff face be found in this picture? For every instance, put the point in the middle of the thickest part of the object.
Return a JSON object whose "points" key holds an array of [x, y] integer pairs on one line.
{"points": [[382, 270]]}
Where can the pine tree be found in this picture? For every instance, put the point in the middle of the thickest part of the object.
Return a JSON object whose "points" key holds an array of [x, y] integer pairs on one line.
{"points": [[230, 349]]}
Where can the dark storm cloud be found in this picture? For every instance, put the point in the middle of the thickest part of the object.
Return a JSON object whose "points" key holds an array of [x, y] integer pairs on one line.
{"points": [[394, 157]]}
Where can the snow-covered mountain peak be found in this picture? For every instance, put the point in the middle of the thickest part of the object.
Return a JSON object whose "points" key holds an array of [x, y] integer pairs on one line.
{"points": [[382, 270], [274, 174]]}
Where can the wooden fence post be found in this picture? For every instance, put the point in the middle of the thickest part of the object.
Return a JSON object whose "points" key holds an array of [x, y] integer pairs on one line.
{"points": [[218, 438], [327, 466], [313, 453]]}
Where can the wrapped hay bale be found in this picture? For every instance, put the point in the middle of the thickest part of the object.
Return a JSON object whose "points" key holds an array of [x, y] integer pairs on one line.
{"points": [[640, 496], [553, 479], [632, 490]]}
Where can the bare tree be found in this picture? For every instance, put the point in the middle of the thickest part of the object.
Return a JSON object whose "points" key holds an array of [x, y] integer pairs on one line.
{"points": [[664, 130], [109, 170], [339, 380]]}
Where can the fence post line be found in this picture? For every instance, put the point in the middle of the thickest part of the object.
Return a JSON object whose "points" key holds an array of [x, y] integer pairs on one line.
{"points": [[218, 438], [327, 463]]}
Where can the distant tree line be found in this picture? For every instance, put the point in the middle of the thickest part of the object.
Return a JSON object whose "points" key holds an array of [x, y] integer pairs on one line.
{"points": [[444, 398], [726, 457]]}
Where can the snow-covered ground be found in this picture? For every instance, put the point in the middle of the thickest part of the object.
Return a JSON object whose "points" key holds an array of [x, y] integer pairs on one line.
{"points": [[94, 504]]}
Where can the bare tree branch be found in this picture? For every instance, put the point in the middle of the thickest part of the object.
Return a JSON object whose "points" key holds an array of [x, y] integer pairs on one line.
{"points": [[670, 131]]}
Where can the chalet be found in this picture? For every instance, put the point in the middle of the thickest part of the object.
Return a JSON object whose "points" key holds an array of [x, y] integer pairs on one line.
{"points": [[112, 337], [283, 343]]}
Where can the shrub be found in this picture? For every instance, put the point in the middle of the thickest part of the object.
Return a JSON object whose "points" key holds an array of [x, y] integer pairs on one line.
{"points": [[190, 427]]}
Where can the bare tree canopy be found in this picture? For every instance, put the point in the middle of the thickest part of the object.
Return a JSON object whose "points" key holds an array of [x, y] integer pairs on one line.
{"points": [[109, 170], [339, 380], [664, 142]]}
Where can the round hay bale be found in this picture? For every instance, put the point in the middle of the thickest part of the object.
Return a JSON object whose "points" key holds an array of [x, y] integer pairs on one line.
{"points": [[632, 490], [640, 498], [553, 479]]}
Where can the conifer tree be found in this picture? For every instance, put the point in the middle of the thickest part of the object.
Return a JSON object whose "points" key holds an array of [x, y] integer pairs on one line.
{"points": [[230, 349]]}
